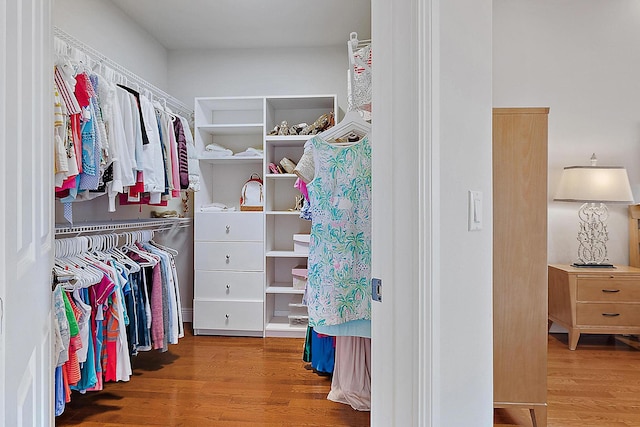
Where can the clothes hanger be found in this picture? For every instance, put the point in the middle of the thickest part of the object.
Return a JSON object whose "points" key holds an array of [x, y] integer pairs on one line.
{"points": [[132, 247], [352, 122], [117, 252], [164, 248]]}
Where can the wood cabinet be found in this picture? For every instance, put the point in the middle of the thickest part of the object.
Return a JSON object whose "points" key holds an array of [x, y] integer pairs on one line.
{"points": [[243, 260], [520, 260], [595, 300]]}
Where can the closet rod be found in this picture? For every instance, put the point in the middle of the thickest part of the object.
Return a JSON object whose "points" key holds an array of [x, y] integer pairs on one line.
{"points": [[176, 105], [138, 224]]}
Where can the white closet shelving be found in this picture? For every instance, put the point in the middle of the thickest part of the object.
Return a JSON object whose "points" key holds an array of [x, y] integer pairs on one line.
{"points": [[243, 260]]}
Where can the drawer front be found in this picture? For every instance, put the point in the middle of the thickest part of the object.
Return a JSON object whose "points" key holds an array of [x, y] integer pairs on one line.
{"points": [[611, 289], [238, 316], [229, 285], [228, 226], [238, 256], [608, 314]]}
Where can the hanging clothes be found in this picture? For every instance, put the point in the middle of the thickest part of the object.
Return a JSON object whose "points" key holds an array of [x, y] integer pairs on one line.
{"points": [[109, 312], [351, 381], [112, 140], [338, 290]]}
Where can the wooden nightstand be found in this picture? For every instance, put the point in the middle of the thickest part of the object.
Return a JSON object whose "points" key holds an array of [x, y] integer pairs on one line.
{"points": [[594, 300]]}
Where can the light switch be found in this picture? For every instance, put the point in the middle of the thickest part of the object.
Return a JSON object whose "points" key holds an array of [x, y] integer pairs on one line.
{"points": [[475, 210]]}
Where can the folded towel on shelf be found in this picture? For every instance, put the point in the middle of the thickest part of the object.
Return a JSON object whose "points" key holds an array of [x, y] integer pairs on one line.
{"points": [[218, 150], [216, 207], [250, 152]]}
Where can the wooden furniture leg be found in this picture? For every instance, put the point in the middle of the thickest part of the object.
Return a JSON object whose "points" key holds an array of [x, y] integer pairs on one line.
{"points": [[574, 336], [539, 416]]}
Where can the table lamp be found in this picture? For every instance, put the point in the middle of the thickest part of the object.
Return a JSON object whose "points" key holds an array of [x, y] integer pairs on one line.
{"points": [[594, 186]]}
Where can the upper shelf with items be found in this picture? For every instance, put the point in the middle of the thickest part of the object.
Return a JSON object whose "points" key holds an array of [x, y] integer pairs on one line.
{"points": [[229, 129], [302, 111], [234, 139]]}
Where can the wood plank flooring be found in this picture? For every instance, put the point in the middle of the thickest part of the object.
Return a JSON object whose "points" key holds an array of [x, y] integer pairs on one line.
{"points": [[597, 385], [216, 381], [223, 381]]}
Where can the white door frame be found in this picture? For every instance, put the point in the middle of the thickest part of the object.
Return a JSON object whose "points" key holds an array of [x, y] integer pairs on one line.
{"points": [[402, 236], [431, 335], [26, 213]]}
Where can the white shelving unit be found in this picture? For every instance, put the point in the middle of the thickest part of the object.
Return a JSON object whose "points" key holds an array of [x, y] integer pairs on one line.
{"points": [[226, 272], [228, 246]]}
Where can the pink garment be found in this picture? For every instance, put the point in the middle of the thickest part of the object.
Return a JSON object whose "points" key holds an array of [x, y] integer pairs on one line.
{"points": [[155, 300], [83, 90], [351, 382], [68, 183], [157, 324], [175, 162], [302, 187]]}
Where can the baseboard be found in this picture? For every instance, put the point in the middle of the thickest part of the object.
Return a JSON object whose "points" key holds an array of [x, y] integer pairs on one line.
{"points": [[187, 314]]}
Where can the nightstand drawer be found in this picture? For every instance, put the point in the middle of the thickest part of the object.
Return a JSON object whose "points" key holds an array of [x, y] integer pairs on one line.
{"points": [[228, 226], [608, 314], [615, 289], [229, 285]]}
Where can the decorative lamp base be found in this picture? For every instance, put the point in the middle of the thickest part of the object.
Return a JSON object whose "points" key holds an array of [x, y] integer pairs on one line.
{"points": [[592, 265]]}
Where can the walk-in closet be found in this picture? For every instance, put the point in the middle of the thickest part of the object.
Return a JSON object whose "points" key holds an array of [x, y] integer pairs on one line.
{"points": [[200, 214], [239, 214]]}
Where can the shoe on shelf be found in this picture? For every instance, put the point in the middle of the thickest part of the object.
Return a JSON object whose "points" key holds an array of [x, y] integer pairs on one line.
{"points": [[287, 165]]}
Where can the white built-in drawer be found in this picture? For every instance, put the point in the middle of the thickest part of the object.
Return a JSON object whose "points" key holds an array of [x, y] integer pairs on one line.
{"points": [[228, 226], [229, 285], [239, 256], [239, 316]]}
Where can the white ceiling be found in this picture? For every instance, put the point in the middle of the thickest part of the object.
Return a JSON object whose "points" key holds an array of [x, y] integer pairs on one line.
{"points": [[217, 24]]}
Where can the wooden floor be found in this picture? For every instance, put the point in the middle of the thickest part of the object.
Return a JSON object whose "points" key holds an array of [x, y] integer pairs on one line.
{"points": [[222, 381], [597, 385], [216, 381]]}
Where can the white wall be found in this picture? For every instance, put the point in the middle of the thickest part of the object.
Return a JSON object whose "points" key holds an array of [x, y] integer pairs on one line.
{"points": [[104, 27], [581, 59], [463, 318], [246, 72]]}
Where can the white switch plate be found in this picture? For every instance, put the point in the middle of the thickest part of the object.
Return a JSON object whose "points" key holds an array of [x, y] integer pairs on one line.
{"points": [[475, 210]]}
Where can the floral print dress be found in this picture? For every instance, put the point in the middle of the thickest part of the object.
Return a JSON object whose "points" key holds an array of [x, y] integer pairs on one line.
{"points": [[339, 268]]}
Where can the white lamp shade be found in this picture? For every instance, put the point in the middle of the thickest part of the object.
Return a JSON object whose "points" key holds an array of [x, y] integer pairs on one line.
{"points": [[594, 184]]}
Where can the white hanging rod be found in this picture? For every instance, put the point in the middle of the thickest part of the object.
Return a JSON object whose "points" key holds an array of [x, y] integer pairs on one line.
{"points": [[176, 105], [161, 224]]}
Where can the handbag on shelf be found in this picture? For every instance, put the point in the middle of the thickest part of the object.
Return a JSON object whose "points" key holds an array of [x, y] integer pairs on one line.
{"points": [[252, 196]]}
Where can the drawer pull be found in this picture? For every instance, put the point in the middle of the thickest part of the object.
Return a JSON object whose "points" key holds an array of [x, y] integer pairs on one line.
{"points": [[226, 316], [228, 257], [610, 291], [228, 286], [611, 314], [228, 228]]}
